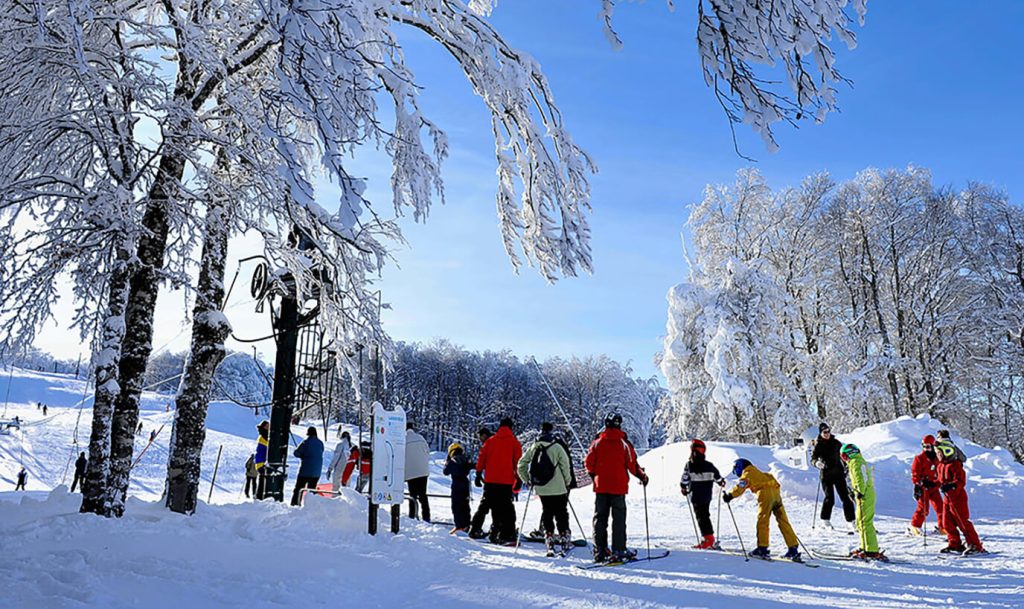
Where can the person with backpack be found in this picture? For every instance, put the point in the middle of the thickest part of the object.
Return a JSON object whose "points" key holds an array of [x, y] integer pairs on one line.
{"points": [[832, 477], [924, 473], [609, 461], [335, 469], [476, 526], [498, 459], [458, 466], [311, 462], [769, 502], [547, 468], [81, 464], [251, 474], [417, 470], [862, 485], [699, 478], [956, 513], [350, 465]]}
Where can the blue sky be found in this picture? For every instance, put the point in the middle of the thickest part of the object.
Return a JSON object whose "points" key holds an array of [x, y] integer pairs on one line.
{"points": [[936, 84]]}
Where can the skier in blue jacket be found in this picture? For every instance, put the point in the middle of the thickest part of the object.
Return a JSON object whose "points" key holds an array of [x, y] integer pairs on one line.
{"points": [[311, 455]]}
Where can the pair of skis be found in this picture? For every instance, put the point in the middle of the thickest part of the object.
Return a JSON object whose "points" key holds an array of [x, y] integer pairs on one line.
{"points": [[654, 555]]}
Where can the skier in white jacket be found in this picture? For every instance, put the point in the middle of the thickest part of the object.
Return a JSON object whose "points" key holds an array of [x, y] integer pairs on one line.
{"points": [[417, 472], [337, 466]]}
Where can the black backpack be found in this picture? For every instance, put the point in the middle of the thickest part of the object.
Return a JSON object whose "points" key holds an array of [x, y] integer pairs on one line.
{"points": [[542, 469]]}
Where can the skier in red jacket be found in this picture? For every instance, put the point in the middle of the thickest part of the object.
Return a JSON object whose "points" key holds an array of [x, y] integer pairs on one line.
{"points": [[955, 512], [498, 459], [924, 473], [609, 462]]}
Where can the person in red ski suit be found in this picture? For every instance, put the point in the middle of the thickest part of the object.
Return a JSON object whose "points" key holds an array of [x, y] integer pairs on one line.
{"points": [[956, 515], [924, 473], [350, 465]]}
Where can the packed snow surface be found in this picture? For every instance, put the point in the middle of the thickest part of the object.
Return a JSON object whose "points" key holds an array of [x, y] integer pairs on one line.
{"points": [[234, 553]]}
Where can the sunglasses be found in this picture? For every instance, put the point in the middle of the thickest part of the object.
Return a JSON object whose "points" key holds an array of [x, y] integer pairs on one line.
{"points": [[826, 431]]}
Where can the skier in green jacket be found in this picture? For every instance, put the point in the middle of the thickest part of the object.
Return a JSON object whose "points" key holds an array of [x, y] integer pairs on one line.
{"points": [[862, 486], [546, 466]]}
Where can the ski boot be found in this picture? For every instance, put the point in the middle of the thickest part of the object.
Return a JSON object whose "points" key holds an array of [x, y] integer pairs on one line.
{"points": [[974, 550], [826, 525], [951, 549], [475, 533], [879, 556], [565, 541], [536, 534], [602, 554], [914, 531], [793, 554], [623, 556], [549, 543], [851, 528], [761, 552], [939, 531], [708, 543], [858, 553], [457, 530]]}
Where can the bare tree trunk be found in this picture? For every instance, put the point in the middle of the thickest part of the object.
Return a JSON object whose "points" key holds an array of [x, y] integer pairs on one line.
{"points": [[209, 331], [95, 486]]}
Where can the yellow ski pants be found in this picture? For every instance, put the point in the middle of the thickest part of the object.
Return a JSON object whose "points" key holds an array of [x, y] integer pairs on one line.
{"points": [[769, 501]]}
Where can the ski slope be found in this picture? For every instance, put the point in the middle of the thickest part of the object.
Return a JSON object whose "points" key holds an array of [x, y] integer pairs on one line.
{"points": [[234, 553]]}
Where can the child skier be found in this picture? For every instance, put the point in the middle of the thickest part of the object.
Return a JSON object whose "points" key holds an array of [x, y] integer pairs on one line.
{"points": [[699, 477], [924, 473], [956, 514], [862, 485], [769, 501], [458, 467]]}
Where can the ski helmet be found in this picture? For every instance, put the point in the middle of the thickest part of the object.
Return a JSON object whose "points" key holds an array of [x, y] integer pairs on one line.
{"points": [[848, 451], [946, 448], [698, 446], [613, 419], [739, 466], [928, 440]]}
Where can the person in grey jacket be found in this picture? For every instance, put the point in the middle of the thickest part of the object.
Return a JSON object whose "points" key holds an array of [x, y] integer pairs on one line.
{"points": [[337, 465], [545, 464], [417, 471]]}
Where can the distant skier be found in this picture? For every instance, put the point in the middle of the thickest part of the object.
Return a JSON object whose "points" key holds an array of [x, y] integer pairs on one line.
{"points": [[81, 464], [44, 410], [311, 457], [498, 459], [417, 469], [769, 502], [335, 470], [138, 430], [458, 466], [547, 467], [833, 477], [251, 475], [956, 513], [152, 436], [610, 460], [862, 485], [476, 527], [22, 480], [699, 478], [260, 457], [924, 473]]}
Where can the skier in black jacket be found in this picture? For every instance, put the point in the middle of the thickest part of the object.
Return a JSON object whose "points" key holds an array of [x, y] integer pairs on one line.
{"points": [[699, 478], [833, 476], [458, 467]]}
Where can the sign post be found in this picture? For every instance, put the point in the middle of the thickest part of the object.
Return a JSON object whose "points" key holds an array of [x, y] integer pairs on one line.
{"points": [[387, 468]]}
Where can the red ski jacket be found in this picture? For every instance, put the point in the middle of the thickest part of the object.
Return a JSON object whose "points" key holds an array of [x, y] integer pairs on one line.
{"points": [[609, 462], [499, 457], [925, 467], [952, 471]]}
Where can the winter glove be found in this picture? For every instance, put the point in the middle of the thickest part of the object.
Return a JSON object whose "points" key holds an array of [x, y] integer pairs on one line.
{"points": [[721, 482], [726, 496], [478, 481], [518, 486], [928, 484], [685, 491], [643, 478], [949, 487], [918, 492]]}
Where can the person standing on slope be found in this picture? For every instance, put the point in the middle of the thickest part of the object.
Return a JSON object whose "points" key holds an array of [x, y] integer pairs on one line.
{"points": [[609, 461], [833, 477], [350, 465], [260, 458], [699, 478], [251, 473], [924, 473], [335, 469], [546, 466], [476, 526], [862, 485], [81, 464], [22, 480], [956, 514], [498, 459], [769, 501], [311, 458], [458, 467], [417, 469]]}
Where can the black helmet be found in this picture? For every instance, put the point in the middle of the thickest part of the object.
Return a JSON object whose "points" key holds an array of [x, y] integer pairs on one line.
{"points": [[613, 419]]}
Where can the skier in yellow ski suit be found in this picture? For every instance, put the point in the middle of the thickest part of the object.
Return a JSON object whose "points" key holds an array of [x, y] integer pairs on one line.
{"points": [[862, 485], [769, 501]]}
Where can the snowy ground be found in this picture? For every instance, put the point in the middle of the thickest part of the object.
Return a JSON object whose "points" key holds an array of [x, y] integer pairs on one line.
{"points": [[238, 554]]}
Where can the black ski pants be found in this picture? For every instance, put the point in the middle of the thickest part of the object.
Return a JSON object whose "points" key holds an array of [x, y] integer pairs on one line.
{"points": [[554, 510], [832, 483], [503, 512], [79, 479], [702, 510], [418, 492], [460, 508], [250, 483], [616, 506], [482, 509], [302, 482]]}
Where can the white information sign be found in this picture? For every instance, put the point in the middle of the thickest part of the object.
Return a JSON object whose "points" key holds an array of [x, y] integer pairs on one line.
{"points": [[387, 470]]}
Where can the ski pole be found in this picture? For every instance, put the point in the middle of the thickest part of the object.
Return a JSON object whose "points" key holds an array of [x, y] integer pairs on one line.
{"points": [[519, 534], [814, 518], [578, 523], [718, 524], [693, 519], [647, 524], [740, 537]]}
